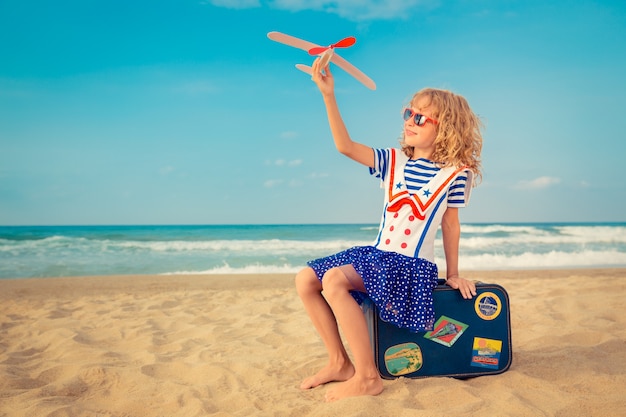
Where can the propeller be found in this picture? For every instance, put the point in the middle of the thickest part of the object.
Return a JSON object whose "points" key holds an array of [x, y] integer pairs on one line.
{"points": [[344, 43]]}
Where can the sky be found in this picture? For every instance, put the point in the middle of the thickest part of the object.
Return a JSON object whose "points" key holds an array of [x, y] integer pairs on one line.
{"points": [[184, 112]]}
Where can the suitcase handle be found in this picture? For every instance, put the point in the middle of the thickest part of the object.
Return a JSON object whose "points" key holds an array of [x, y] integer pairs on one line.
{"points": [[441, 281]]}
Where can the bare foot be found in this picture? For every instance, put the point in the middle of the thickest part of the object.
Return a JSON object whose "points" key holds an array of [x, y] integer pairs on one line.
{"points": [[355, 387], [330, 373]]}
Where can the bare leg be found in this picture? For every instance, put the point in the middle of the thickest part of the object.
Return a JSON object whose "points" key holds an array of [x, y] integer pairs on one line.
{"points": [[337, 283], [339, 367]]}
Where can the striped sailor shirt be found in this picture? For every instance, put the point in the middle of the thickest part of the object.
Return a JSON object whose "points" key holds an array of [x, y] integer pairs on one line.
{"points": [[418, 172]]}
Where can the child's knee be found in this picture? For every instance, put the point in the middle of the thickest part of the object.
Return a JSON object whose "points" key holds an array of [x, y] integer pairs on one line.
{"points": [[307, 281], [334, 280]]}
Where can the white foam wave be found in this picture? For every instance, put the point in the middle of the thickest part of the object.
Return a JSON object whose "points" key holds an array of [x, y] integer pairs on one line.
{"points": [[552, 259], [500, 228], [473, 237], [482, 247], [7, 245], [528, 260], [274, 246], [568, 237], [605, 233], [247, 269], [615, 233]]}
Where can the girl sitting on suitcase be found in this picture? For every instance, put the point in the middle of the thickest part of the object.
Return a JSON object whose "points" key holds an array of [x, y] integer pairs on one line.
{"points": [[425, 183]]}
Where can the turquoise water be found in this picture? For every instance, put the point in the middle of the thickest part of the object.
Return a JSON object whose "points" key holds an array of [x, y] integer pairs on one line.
{"points": [[51, 251]]}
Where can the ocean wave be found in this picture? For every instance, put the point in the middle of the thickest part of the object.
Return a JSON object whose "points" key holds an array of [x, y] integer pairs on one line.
{"points": [[276, 246], [551, 259], [604, 233], [501, 228], [487, 261], [568, 237], [76, 251], [8, 245], [478, 237], [247, 269], [590, 232]]}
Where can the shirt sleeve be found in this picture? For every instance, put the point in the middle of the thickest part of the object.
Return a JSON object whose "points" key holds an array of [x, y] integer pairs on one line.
{"points": [[381, 163], [460, 190]]}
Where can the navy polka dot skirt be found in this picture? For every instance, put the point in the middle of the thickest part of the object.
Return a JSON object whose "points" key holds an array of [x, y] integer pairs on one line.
{"points": [[400, 286]]}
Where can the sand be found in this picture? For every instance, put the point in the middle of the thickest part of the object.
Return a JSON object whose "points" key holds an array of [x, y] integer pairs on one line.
{"points": [[240, 345]]}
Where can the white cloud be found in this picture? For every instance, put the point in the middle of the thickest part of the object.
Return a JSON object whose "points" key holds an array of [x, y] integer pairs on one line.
{"points": [[283, 162], [352, 9], [538, 183], [355, 10], [272, 183], [316, 175]]}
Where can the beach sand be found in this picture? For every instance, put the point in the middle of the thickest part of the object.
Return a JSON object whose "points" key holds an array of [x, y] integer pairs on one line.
{"points": [[240, 345]]}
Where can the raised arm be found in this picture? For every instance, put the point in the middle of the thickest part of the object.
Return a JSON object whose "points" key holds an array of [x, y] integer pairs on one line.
{"points": [[357, 151]]}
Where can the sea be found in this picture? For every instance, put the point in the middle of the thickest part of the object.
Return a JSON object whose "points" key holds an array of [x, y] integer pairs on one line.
{"points": [[55, 251]]}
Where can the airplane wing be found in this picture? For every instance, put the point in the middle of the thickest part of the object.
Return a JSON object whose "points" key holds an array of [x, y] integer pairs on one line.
{"points": [[305, 68], [339, 61], [364, 79], [354, 71], [292, 41]]}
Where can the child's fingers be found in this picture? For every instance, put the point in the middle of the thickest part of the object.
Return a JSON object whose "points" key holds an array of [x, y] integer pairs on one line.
{"points": [[316, 64], [327, 71], [466, 288], [315, 70], [470, 290]]}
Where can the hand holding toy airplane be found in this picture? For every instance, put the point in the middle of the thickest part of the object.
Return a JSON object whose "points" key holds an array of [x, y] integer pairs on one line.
{"points": [[326, 53]]}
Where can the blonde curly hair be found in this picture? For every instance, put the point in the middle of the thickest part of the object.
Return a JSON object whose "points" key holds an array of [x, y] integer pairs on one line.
{"points": [[459, 140]]}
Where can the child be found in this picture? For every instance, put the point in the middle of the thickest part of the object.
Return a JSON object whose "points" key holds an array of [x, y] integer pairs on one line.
{"points": [[425, 183]]}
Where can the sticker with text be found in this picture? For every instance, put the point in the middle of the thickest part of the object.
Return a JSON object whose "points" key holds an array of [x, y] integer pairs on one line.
{"points": [[486, 353], [488, 306]]}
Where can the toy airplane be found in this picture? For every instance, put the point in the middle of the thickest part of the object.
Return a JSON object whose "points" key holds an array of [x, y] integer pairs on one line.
{"points": [[327, 54]]}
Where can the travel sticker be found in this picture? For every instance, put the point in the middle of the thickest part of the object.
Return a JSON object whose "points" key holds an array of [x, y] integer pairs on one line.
{"points": [[486, 353], [446, 331], [403, 359], [488, 306]]}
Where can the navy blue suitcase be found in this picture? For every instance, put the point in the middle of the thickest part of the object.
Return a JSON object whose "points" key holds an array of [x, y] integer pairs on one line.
{"points": [[470, 337]]}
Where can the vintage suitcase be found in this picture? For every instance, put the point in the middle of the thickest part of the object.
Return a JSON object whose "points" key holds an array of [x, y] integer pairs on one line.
{"points": [[470, 337]]}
